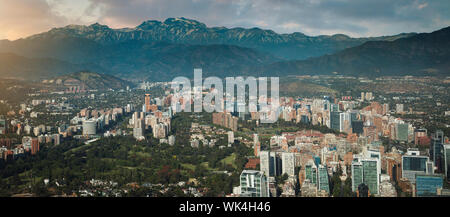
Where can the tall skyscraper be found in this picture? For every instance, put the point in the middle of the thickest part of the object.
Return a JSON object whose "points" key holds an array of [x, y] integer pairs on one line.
{"points": [[357, 175], [147, 102], [371, 177], [323, 183], [436, 149], [253, 184], [365, 170], [270, 164], [264, 159], [427, 185], [414, 164], [311, 172], [447, 161], [288, 163], [138, 126], [335, 118], [345, 124]]}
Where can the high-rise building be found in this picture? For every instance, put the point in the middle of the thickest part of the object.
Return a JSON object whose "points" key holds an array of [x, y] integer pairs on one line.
{"points": [[277, 162], [253, 184], [264, 159], [288, 163], [335, 118], [428, 185], [160, 130], [270, 164], [230, 137], [358, 127], [447, 161], [399, 108], [139, 126], [138, 132], [413, 164], [375, 154], [56, 139], [256, 145], [2, 125], [34, 146], [26, 142], [371, 177], [365, 170], [369, 96], [402, 132], [225, 120], [255, 138], [147, 102], [311, 172], [89, 127], [436, 149], [419, 133], [323, 183], [345, 124]]}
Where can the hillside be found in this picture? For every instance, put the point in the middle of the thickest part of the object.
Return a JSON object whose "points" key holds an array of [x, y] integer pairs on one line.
{"points": [[137, 60], [91, 80], [422, 54], [19, 67]]}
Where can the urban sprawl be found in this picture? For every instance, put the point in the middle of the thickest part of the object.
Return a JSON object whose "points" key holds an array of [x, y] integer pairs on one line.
{"points": [[320, 146]]}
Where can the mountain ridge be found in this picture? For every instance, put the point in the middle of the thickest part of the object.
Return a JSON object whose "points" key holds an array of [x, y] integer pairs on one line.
{"points": [[65, 51], [287, 46], [421, 54]]}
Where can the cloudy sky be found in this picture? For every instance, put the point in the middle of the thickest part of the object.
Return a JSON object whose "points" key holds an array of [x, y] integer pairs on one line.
{"points": [[21, 18]]}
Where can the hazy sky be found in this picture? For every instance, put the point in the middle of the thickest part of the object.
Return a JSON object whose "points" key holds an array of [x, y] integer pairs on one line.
{"points": [[21, 18]]}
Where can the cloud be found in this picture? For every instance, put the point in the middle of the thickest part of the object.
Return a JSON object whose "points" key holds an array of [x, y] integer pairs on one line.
{"points": [[21, 18], [313, 17], [422, 6], [291, 26], [18, 18]]}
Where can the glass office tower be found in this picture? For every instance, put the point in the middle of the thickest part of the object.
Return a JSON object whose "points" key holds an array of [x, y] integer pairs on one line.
{"points": [[253, 184]]}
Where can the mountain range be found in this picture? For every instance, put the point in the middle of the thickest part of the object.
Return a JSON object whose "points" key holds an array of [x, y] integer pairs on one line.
{"points": [[293, 46], [421, 54], [158, 51]]}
